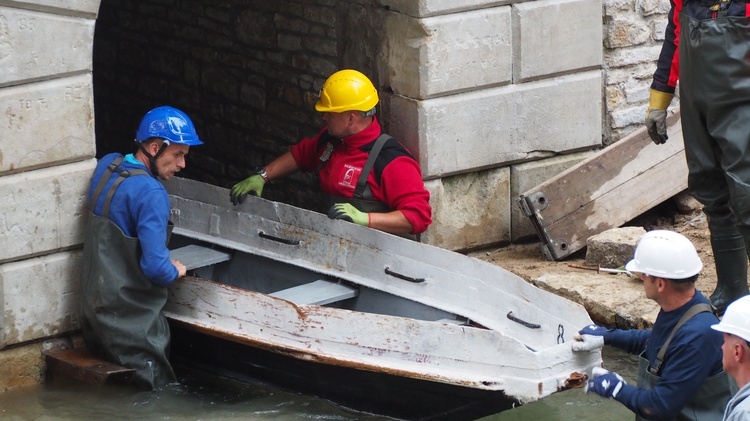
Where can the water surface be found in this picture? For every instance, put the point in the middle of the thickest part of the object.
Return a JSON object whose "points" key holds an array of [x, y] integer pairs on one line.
{"points": [[200, 397]]}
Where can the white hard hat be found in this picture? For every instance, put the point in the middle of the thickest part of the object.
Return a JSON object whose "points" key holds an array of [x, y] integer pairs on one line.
{"points": [[736, 320], [665, 254]]}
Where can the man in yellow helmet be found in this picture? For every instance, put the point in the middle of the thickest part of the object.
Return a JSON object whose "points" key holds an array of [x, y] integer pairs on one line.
{"points": [[369, 177]]}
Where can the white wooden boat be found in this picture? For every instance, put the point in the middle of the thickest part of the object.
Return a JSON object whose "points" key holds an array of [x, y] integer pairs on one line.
{"points": [[363, 318]]}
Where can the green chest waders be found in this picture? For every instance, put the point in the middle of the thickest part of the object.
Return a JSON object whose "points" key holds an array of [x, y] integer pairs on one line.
{"points": [[122, 320], [715, 116]]}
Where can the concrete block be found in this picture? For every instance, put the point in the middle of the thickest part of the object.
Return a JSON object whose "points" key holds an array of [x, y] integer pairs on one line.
{"points": [[40, 297], [613, 248], [499, 126], [427, 8], [469, 211], [88, 8], [28, 51], [466, 51], [526, 176], [47, 123], [45, 210], [556, 36], [21, 367]]}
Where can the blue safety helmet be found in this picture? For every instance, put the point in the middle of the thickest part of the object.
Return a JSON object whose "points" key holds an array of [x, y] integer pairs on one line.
{"points": [[170, 124]]}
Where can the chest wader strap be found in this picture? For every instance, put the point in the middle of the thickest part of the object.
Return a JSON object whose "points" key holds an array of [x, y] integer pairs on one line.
{"points": [[113, 167], [330, 144], [655, 369], [359, 191]]}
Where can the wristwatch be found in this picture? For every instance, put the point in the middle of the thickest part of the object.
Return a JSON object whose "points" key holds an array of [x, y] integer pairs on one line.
{"points": [[262, 173]]}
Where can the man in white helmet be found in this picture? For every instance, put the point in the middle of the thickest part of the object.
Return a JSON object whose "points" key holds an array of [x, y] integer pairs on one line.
{"points": [[735, 326], [680, 375]]}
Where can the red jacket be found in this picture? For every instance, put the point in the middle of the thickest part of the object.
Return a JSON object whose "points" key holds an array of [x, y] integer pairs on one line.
{"points": [[668, 66], [396, 179]]}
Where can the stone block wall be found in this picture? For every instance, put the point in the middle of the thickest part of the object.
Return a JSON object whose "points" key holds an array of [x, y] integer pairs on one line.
{"points": [[47, 151], [491, 96], [476, 91]]}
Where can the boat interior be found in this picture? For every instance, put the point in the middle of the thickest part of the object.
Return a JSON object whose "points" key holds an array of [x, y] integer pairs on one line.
{"points": [[295, 283]]}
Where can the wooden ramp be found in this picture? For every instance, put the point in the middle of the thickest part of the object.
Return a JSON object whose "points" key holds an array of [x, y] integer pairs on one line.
{"points": [[80, 365], [606, 190]]}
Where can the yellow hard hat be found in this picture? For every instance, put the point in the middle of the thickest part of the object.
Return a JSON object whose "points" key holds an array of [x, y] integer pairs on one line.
{"points": [[347, 90]]}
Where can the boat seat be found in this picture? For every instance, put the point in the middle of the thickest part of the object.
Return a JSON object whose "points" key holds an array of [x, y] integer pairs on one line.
{"points": [[195, 256], [320, 292]]}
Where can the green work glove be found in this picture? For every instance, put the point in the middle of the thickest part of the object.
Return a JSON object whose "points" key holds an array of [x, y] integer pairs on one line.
{"points": [[251, 185], [656, 116], [347, 212]]}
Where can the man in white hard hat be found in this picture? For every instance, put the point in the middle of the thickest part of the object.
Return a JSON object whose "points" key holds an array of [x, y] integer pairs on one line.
{"points": [[735, 326], [680, 375]]}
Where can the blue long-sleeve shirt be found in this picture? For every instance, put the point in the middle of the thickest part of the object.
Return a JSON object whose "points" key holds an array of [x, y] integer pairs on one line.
{"points": [[693, 355], [140, 208]]}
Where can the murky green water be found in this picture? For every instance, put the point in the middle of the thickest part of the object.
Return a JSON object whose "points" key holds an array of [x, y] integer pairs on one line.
{"points": [[201, 398]]}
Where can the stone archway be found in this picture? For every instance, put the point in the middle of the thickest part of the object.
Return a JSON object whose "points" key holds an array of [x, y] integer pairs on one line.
{"points": [[456, 89]]}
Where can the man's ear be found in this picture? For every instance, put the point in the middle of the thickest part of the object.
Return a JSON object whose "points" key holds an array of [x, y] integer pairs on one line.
{"points": [[740, 352]]}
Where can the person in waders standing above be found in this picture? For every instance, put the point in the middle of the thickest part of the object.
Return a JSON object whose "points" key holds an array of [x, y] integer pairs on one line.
{"points": [[127, 267], [706, 46], [369, 178]]}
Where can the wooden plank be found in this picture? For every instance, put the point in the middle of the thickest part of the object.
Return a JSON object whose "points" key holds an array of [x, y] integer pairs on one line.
{"points": [[80, 365], [195, 256], [320, 293], [606, 190]]}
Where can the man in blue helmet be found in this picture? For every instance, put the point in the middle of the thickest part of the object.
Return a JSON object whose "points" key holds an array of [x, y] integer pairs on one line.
{"points": [[126, 260]]}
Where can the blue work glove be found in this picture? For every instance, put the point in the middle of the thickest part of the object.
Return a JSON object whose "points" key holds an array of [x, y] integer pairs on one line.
{"points": [[656, 116], [593, 330], [605, 383], [347, 212], [251, 185]]}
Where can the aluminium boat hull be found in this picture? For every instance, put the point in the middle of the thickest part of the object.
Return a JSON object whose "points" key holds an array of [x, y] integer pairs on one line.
{"points": [[409, 330]]}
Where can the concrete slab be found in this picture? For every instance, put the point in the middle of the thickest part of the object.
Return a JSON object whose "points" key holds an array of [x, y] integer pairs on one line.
{"points": [[427, 8], [498, 126], [466, 51], [40, 297], [47, 123], [555, 36], [87, 8], [470, 211], [46, 210], [27, 53]]}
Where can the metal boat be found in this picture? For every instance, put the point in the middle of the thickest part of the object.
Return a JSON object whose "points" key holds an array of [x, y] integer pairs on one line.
{"points": [[368, 320]]}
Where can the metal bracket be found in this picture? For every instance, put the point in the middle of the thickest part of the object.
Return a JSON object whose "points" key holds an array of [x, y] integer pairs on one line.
{"points": [[533, 203]]}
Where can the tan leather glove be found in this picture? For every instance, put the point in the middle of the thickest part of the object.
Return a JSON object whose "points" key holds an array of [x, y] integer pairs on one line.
{"points": [[656, 116]]}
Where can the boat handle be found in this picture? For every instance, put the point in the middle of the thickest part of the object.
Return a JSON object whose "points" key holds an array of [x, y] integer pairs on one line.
{"points": [[404, 277], [262, 234], [527, 324]]}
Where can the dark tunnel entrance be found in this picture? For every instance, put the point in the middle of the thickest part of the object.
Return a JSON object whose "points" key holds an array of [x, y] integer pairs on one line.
{"points": [[247, 73]]}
